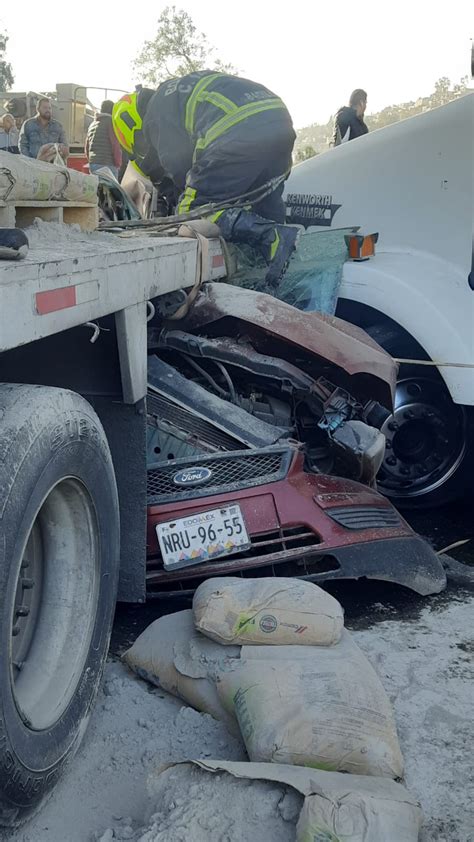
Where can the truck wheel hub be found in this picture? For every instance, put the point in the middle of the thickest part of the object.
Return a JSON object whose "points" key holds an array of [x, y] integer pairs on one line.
{"points": [[425, 439], [55, 605]]}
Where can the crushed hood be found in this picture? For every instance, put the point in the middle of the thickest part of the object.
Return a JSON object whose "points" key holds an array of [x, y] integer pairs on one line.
{"points": [[334, 342]]}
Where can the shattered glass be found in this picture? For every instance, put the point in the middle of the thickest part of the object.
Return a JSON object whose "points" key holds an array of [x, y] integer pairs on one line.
{"points": [[313, 278]]}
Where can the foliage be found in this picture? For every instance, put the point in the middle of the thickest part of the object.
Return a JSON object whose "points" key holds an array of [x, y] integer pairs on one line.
{"points": [[305, 153], [320, 135], [6, 71], [178, 48]]}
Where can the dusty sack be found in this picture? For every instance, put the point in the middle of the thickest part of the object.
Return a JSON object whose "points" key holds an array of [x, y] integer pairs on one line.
{"points": [[173, 655], [191, 803], [319, 707], [360, 813], [28, 179], [336, 808], [274, 611]]}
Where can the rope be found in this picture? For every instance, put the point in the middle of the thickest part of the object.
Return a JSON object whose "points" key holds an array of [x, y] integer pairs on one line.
{"points": [[453, 546], [162, 223], [433, 363]]}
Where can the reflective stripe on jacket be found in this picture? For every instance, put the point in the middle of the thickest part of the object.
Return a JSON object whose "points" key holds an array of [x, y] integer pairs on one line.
{"points": [[188, 115]]}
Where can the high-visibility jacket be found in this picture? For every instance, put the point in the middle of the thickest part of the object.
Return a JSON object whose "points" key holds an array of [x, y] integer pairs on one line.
{"points": [[186, 118]]}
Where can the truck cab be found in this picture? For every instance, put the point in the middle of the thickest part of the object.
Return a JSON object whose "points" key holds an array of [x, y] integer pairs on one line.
{"points": [[412, 182]]}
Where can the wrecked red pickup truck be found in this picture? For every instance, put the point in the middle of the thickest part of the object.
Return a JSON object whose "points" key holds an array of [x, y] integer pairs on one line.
{"points": [[263, 448]]}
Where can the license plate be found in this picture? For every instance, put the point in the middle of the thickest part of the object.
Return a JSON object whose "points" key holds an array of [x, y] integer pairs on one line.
{"points": [[202, 537]]}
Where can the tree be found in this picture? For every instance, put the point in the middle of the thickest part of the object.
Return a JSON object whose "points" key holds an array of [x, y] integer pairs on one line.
{"points": [[177, 49], [441, 93], [305, 154], [6, 72]]}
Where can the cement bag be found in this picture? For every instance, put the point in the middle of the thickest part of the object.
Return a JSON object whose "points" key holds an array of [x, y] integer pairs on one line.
{"points": [[81, 187], [360, 813], [319, 707], [173, 655], [336, 808], [24, 178], [27, 179], [267, 611]]}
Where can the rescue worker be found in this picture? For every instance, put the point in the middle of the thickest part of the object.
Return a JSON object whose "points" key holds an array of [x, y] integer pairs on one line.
{"points": [[219, 137]]}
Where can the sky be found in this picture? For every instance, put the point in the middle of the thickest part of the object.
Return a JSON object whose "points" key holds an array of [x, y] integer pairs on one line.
{"points": [[310, 53]]}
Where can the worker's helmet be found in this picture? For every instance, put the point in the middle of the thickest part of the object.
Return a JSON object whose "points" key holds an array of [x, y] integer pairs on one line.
{"points": [[126, 120]]}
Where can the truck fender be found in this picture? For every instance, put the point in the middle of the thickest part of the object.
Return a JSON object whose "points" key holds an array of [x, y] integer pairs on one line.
{"points": [[411, 289]]}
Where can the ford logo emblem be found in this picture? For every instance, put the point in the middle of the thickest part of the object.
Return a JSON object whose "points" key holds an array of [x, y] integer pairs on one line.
{"points": [[192, 476]]}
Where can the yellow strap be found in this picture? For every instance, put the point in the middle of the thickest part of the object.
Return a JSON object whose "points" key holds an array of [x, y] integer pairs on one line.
{"points": [[187, 200], [230, 120], [193, 100]]}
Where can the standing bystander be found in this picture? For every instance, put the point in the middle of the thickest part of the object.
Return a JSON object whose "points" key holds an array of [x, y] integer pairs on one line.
{"points": [[349, 122], [40, 134], [102, 147], [9, 135]]}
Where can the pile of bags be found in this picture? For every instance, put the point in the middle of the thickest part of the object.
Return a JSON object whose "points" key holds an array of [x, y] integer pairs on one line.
{"points": [[272, 660]]}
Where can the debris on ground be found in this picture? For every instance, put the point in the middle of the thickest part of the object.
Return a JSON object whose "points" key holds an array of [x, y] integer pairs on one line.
{"points": [[134, 729], [424, 665], [336, 807], [218, 807]]}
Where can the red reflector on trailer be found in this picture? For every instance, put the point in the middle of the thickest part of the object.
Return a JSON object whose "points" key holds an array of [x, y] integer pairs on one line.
{"points": [[55, 299], [217, 261]]}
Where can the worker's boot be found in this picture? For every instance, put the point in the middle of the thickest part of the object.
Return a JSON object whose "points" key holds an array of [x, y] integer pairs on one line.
{"points": [[276, 242], [13, 244]]}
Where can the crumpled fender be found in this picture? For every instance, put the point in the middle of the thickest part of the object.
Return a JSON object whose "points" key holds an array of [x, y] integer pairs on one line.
{"points": [[329, 339]]}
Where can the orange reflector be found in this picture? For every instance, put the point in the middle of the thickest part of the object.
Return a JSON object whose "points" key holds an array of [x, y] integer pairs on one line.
{"points": [[360, 246]]}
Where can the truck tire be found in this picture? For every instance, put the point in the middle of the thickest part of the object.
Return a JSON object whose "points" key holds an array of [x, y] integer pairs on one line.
{"points": [[59, 565], [429, 457]]}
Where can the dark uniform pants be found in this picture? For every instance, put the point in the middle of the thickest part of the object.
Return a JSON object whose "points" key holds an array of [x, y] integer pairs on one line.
{"points": [[240, 162]]}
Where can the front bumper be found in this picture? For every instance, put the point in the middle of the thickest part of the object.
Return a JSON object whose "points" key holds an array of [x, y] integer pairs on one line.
{"points": [[310, 526]]}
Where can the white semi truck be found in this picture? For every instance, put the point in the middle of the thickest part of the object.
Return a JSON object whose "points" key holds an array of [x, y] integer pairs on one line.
{"points": [[411, 182]]}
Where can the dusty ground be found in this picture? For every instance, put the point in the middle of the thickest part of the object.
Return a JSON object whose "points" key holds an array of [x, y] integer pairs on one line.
{"points": [[423, 661], [426, 667], [420, 648]]}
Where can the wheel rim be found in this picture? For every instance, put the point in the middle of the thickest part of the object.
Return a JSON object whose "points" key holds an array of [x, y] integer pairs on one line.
{"points": [[425, 439], [55, 605]]}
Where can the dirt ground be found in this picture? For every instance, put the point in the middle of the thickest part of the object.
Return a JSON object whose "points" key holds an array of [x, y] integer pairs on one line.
{"points": [[424, 661]]}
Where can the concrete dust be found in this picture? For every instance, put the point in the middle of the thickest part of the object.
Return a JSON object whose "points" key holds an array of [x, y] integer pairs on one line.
{"points": [[424, 664], [426, 668], [134, 729], [220, 808]]}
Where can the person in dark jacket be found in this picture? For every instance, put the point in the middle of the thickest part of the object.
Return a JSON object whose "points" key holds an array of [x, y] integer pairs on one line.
{"points": [[349, 122], [102, 147], [220, 138]]}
